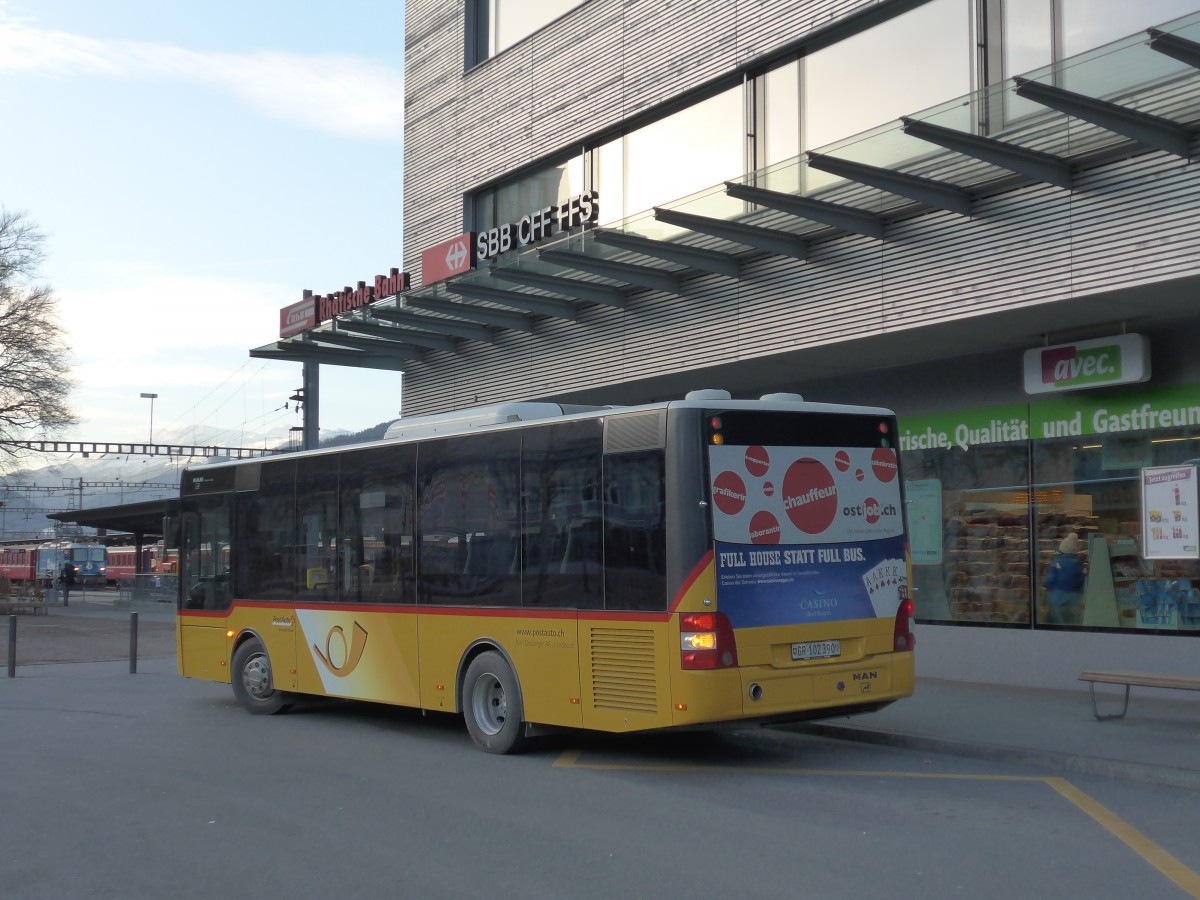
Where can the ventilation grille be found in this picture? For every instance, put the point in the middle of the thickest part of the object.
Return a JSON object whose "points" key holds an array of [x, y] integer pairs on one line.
{"points": [[636, 431], [623, 669]]}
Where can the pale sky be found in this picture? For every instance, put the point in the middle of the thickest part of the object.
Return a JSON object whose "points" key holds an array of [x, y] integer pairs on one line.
{"points": [[195, 167]]}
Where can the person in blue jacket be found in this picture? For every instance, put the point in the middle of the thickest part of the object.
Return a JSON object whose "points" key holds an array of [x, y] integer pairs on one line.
{"points": [[1064, 582]]}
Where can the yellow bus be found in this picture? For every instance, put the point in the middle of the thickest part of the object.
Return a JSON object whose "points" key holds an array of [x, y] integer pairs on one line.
{"points": [[533, 566]]}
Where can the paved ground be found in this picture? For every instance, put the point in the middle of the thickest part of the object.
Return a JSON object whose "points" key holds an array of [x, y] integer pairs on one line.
{"points": [[1157, 742], [92, 629]]}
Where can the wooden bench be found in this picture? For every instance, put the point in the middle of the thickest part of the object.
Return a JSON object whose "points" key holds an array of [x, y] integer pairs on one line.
{"points": [[1128, 679]]}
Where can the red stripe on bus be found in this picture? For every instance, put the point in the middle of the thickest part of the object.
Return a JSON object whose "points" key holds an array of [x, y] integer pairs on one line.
{"points": [[701, 566]]}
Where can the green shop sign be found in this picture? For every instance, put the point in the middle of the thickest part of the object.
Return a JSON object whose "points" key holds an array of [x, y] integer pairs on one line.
{"points": [[965, 428], [1091, 414], [1176, 406]]}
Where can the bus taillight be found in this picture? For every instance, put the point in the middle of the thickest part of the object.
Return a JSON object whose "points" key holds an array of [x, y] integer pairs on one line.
{"points": [[903, 637], [706, 641]]}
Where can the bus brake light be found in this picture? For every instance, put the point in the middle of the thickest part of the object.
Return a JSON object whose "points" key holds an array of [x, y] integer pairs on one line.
{"points": [[706, 641], [903, 638]]}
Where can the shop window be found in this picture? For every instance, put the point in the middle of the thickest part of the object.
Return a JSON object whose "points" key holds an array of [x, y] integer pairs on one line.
{"points": [[1092, 487], [969, 518]]}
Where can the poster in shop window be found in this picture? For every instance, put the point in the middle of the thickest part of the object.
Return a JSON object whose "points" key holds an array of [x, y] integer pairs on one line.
{"points": [[1170, 522]]}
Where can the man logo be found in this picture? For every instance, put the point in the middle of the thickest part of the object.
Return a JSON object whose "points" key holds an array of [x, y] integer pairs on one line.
{"points": [[342, 660]]}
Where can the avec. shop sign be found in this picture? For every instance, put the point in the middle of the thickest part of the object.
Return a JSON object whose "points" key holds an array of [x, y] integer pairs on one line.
{"points": [[1123, 359]]}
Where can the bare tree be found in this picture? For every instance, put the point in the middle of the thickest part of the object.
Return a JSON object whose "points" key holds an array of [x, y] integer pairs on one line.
{"points": [[34, 359]]}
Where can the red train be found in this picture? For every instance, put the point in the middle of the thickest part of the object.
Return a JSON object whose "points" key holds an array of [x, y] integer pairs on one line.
{"points": [[19, 562]]}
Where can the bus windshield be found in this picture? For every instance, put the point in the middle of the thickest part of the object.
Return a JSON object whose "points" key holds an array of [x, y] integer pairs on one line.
{"points": [[807, 518]]}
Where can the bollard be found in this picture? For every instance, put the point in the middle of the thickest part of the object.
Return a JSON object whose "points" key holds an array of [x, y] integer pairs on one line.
{"points": [[12, 646], [133, 643]]}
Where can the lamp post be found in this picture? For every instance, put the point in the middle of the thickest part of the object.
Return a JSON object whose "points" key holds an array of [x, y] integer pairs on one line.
{"points": [[151, 398]]}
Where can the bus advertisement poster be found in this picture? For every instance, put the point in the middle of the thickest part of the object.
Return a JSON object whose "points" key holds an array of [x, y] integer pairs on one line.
{"points": [[806, 533], [790, 584]]}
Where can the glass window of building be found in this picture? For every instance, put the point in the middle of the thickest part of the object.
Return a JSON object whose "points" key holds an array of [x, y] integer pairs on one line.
{"points": [[1075, 511], [969, 521], [683, 153], [1116, 518], [910, 63], [547, 187], [1087, 24], [498, 24]]}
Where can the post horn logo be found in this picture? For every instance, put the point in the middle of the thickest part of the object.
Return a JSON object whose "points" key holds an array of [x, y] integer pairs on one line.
{"points": [[349, 653]]}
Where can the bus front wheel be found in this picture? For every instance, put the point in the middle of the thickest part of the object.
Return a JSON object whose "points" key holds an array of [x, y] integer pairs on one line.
{"points": [[253, 683], [491, 704]]}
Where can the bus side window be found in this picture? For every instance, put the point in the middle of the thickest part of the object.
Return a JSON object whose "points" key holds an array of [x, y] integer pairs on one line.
{"points": [[634, 532]]}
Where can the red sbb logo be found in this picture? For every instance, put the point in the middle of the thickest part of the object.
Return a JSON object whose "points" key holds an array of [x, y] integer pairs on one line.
{"points": [[449, 258]]}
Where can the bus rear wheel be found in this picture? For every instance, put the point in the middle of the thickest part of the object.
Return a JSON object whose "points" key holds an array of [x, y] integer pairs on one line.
{"points": [[491, 704], [253, 683]]}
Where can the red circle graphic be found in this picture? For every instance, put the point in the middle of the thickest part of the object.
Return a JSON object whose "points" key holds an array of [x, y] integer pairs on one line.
{"points": [[769, 488], [872, 510], [810, 496], [764, 528], [841, 459], [729, 493], [883, 464], [757, 461]]}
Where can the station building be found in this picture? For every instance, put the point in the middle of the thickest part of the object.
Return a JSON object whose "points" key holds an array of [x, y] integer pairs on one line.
{"points": [[979, 213]]}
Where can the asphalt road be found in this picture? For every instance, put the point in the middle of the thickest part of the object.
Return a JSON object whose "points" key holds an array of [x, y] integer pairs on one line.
{"points": [[91, 629], [153, 786]]}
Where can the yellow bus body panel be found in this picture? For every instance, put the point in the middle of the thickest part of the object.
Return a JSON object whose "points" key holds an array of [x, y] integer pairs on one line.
{"points": [[625, 669], [202, 650], [542, 649], [357, 653], [867, 672]]}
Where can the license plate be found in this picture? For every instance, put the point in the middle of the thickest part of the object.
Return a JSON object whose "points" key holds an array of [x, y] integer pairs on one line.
{"points": [[816, 649]]}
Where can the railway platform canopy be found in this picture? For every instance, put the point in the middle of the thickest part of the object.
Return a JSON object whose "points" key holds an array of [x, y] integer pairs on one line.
{"points": [[144, 520]]}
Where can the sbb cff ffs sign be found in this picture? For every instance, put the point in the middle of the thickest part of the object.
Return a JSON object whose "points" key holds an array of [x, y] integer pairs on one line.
{"points": [[538, 225]]}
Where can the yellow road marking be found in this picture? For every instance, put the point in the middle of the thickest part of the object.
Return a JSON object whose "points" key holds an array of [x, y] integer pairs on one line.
{"points": [[1151, 852], [1130, 837]]}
